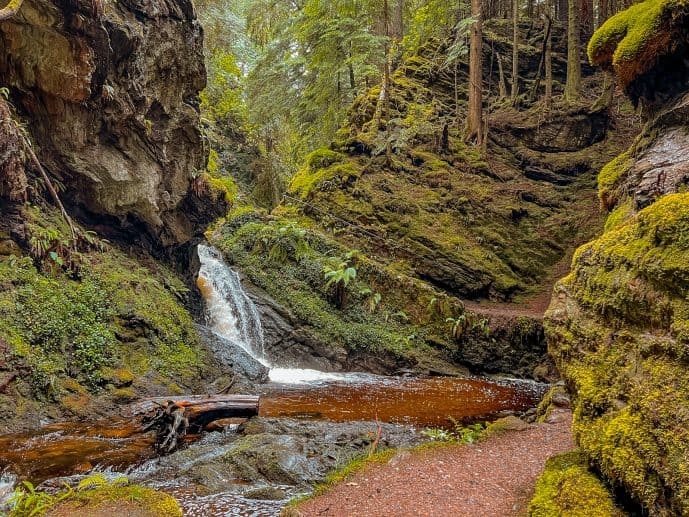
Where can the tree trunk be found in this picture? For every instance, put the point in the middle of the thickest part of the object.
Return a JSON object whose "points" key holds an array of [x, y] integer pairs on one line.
{"points": [[501, 78], [397, 31], [10, 9], [549, 57], [533, 95], [515, 50], [474, 130], [573, 85], [561, 8], [587, 19], [603, 12]]}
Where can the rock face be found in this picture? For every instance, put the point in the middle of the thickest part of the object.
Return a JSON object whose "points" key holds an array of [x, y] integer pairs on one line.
{"points": [[109, 91], [618, 326]]}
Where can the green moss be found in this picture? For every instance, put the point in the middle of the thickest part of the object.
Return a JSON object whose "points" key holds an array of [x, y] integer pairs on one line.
{"points": [[323, 158], [610, 178], [568, 488], [620, 215], [309, 178], [116, 321], [621, 341], [133, 497], [632, 41]]}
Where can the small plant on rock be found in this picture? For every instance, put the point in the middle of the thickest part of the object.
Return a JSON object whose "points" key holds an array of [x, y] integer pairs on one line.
{"points": [[338, 279]]}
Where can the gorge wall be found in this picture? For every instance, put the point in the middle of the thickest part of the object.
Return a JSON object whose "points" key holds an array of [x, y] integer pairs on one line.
{"points": [[109, 94], [618, 325]]}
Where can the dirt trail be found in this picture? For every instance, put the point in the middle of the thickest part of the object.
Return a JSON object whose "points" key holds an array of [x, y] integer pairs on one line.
{"points": [[493, 478], [534, 306]]}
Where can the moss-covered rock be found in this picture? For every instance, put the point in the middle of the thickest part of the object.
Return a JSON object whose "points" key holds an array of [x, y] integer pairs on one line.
{"points": [[133, 500], [618, 325], [632, 41], [409, 190], [568, 488], [618, 331], [81, 322], [381, 317]]}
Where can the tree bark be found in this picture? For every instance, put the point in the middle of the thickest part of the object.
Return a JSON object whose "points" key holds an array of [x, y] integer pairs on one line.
{"points": [[549, 56], [515, 50], [573, 85], [474, 131], [10, 9], [501, 78]]}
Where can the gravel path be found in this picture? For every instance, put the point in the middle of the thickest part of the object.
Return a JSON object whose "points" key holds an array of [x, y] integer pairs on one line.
{"points": [[492, 479]]}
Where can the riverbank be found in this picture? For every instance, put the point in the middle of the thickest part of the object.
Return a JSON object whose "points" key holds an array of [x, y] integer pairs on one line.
{"points": [[489, 478]]}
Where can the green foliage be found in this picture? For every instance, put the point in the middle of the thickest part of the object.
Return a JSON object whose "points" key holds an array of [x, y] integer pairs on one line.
{"points": [[91, 492], [458, 433], [338, 275], [568, 487], [62, 326], [26, 501], [283, 241]]}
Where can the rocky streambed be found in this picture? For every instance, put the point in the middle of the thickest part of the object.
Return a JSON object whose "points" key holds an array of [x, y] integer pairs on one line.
{"points": [[304, 432]]}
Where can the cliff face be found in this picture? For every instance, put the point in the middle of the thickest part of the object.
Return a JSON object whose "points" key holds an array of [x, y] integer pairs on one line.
{"points": [[618, 325], [109, 93]]}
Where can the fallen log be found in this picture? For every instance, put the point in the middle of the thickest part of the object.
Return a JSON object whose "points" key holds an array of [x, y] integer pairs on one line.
{"points": [[172, 418]]}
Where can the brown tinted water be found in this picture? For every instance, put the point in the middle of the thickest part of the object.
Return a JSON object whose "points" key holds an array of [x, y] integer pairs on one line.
{"points": [[70, 448], [421, 402]]}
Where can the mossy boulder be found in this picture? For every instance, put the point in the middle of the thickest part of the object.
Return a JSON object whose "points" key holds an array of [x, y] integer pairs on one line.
{"points": [[568, 488], [133, 501], [632, 41], [618, 330]]}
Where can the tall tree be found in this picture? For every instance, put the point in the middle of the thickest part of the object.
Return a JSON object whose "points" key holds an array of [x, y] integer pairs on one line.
{"points": [[515, 50], [573, 85], [474, 131], [549, 54]]}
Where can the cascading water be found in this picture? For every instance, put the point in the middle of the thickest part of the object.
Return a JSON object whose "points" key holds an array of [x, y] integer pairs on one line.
{"points": [[234, 317], [231, 313]]}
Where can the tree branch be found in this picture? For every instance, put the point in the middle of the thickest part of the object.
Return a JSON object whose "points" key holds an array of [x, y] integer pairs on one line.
{"points": [[10, 9]]}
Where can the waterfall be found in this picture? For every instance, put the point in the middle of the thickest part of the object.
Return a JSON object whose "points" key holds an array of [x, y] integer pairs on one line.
{"points": [[231, 313], [233, 316]]}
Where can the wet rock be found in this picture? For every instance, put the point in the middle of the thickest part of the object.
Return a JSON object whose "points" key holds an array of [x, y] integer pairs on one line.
{"points": [[512, 344], [565, 134], [109, 91], [273, 458], [663, 168], [266, 493], [282, 452], [247, 371]]}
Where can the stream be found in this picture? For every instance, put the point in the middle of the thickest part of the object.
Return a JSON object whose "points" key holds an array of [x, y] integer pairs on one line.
{"points": [[309, 423]]}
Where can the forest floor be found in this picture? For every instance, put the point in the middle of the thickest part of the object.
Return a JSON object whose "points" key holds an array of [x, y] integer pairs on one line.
{"points": [[533, 306], [491, 478]]}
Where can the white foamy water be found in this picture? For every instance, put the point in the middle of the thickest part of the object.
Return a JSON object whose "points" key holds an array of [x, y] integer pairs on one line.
{"points": [[234, 317], [231, 313], [300, 375]]}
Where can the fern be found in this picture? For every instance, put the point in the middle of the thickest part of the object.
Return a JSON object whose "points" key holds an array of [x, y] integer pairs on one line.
{"points": [[90, 483]]}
